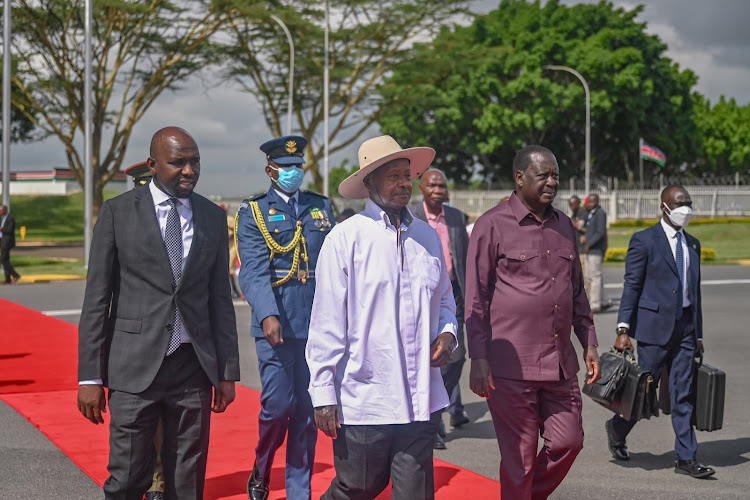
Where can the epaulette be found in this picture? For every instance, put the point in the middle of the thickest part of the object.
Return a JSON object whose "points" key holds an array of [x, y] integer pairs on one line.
{"points": [[246, 202], [306, 191], [258, 196]]}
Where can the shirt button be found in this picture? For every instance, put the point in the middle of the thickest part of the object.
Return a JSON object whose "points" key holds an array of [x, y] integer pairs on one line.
{"points": [[553, 279], [523, 257], [556, 306], [571, 256], [549, 252], [674, 291], [555, 335]]}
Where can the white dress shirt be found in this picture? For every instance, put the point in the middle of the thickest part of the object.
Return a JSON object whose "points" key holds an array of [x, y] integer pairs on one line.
{"points": [[162, 208], [381, 299]]}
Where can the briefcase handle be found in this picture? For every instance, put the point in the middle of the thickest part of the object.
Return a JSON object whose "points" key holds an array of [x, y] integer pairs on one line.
{"points": [[699, 357], [627, 354]]}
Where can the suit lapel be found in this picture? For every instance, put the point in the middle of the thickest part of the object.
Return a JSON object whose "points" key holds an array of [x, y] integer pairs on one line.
{"points": [[665, 249], [199, 233], [152, 234], [304, 203]]}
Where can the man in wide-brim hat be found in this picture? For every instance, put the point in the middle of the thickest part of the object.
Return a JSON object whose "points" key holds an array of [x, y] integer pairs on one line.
{"points": [[383, 323]]}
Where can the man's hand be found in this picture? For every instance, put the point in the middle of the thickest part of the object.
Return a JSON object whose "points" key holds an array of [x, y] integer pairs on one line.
{"points": [[593, 365], [223, 396], [623, 342], [583, 240], [440, 350], [272, 331], [327, 420], [699, 349], [92, 403], [480, 378]]}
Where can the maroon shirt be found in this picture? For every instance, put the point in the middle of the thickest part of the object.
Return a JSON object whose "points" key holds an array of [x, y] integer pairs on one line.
{"points": [[524, 291]]}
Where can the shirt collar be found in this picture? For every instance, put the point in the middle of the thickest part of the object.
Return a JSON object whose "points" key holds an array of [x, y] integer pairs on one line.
{"points": [[378, 215], [521, 212], [430, 215], [669, 230], [286, 197], [160, 197]]}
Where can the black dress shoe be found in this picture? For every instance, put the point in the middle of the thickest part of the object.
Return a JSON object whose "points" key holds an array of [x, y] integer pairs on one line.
{"points": [[460, 419], [693, 468], [616, 447], [257, 487], [154, 495], [441, 430], [439, 443]]}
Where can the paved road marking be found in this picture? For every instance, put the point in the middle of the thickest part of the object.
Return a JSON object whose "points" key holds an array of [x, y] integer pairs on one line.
{"points": [[73, 312], [703, 283]]}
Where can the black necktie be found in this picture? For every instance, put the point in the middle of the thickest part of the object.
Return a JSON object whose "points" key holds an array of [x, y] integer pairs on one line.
{"points": [[293, 204], [173, 243]]}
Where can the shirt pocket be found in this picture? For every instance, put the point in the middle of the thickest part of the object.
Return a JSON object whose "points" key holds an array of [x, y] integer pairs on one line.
{"points": [[429, 271], [282, 231], [522, 266], [562, 269]]}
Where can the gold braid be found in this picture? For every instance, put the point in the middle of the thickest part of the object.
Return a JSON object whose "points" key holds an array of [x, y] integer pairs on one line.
{"points": [[297, 241]]}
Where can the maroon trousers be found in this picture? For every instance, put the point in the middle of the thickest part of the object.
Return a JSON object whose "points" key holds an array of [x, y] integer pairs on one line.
{"points": [[523, 410]]}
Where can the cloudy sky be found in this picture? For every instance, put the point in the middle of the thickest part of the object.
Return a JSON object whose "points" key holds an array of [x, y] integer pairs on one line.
{"points": [[711, 38]]}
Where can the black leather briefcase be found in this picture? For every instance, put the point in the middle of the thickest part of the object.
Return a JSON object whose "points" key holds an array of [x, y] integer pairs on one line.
{"points": [[707, 394]]}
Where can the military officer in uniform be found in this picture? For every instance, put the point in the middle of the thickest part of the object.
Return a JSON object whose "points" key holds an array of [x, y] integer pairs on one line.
{"points": [[140, 173], [279, 234]]}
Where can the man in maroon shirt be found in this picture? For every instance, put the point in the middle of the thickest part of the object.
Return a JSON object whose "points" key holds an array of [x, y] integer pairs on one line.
{"points": [[524, 291]]}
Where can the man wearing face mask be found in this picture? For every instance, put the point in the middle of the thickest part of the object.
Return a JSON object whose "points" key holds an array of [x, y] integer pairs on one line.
{"points": [[661, 308], [279, 234]]}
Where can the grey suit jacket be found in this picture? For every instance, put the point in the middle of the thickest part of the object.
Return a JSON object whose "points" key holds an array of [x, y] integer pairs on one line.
{"points": [[128, 305], [596, 231], [459, 239]]}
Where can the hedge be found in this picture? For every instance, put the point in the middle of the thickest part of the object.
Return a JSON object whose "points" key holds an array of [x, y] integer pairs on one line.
{"points": [[617, 254], [693, 222]]}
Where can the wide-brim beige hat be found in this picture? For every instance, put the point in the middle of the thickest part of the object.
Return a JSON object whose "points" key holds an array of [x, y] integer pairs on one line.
{"points": [[378, 151]]}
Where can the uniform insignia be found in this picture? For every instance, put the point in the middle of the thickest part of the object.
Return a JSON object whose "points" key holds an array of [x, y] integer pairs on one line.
{"points": [[291, 147], [243, 205], [695, 247], [276, 218], [318, 223], [272, 211]]}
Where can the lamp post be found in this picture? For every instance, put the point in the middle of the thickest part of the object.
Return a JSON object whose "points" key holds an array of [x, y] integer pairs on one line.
{"points": [[291, 72], [588, 120], [88, 173], [326, 84], [6, 103]]}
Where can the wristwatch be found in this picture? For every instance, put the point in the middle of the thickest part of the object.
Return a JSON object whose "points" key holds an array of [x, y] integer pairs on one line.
{"points": [[622, 330]]}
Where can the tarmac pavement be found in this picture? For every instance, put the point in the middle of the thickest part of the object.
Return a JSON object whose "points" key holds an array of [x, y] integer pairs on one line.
{"points": [[30, 466]]}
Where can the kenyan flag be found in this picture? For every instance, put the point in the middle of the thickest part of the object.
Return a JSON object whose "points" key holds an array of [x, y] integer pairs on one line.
{"points": [[653, 153]]}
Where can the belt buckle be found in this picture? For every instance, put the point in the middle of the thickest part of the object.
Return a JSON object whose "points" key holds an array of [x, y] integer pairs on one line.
{"points": [[302, 276]]}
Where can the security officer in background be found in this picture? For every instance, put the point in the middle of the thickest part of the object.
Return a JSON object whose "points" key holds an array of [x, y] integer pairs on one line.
{"points": [[279, 235], [140, 173]]}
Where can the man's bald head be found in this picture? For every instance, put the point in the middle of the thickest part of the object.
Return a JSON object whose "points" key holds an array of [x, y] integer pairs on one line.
{"points": [[670, 191], [167, 134]]}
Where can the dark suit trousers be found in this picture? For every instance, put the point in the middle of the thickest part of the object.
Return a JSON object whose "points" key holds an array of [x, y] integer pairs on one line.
{"points": [[366, 457], [10, 272], [181, 395], [521, 411], [677, 355], [451, 372], [286, 411]]}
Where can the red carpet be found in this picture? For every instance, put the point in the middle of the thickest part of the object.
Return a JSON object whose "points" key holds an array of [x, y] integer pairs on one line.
{"points": [[38, 378]]}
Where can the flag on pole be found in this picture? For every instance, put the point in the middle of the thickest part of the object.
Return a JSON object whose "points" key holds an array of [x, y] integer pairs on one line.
{"points": [[653, 153]]}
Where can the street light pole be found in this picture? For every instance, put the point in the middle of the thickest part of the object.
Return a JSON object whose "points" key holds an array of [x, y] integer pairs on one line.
{"points": [[587, 182], [291, 72], [326, 84], [88, 173], [6, 103]]}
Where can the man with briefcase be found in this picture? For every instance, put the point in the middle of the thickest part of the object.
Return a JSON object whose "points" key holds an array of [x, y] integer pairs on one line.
{"points": [[661, 308]]}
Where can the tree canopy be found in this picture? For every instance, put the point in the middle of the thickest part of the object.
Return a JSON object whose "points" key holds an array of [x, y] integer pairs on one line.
{"points": [[140, 49], [725, 132], [368, 38], [479, 93], [21, 127]]}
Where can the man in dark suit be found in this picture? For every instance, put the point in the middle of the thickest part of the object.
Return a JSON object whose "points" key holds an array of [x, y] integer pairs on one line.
{"points": [[158, 326], [595, 246], [7, 242], [450, 224], [661, 308]]}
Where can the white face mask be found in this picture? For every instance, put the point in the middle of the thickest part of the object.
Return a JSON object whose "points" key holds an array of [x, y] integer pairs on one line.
{"points": [[680, 216]]}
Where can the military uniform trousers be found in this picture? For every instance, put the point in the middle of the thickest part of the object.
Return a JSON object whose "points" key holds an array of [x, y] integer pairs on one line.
{"points": [[286, 408], [677, 355]]}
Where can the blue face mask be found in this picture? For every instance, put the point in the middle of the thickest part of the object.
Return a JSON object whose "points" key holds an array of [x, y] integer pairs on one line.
{"points": [[290, 178]]}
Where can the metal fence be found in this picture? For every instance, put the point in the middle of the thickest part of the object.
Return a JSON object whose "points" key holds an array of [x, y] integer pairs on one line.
{"points": [[708, 201]]}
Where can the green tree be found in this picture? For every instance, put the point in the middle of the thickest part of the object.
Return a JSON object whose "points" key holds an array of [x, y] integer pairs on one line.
{"points": [[725, 134], [479, 93], [140, 49], [368, 39], [21, 127]]}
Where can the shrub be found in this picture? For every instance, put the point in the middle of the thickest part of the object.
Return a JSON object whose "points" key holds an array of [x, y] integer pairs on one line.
{"points": [[617, 254]]}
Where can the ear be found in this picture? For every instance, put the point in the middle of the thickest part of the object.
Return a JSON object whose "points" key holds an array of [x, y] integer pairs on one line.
{"points": [[151, 164], [519, 178]]}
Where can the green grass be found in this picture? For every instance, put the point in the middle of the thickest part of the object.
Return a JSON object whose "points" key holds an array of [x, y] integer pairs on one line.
{"points": [[731, 240], [51, 218], [30, 266]]}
